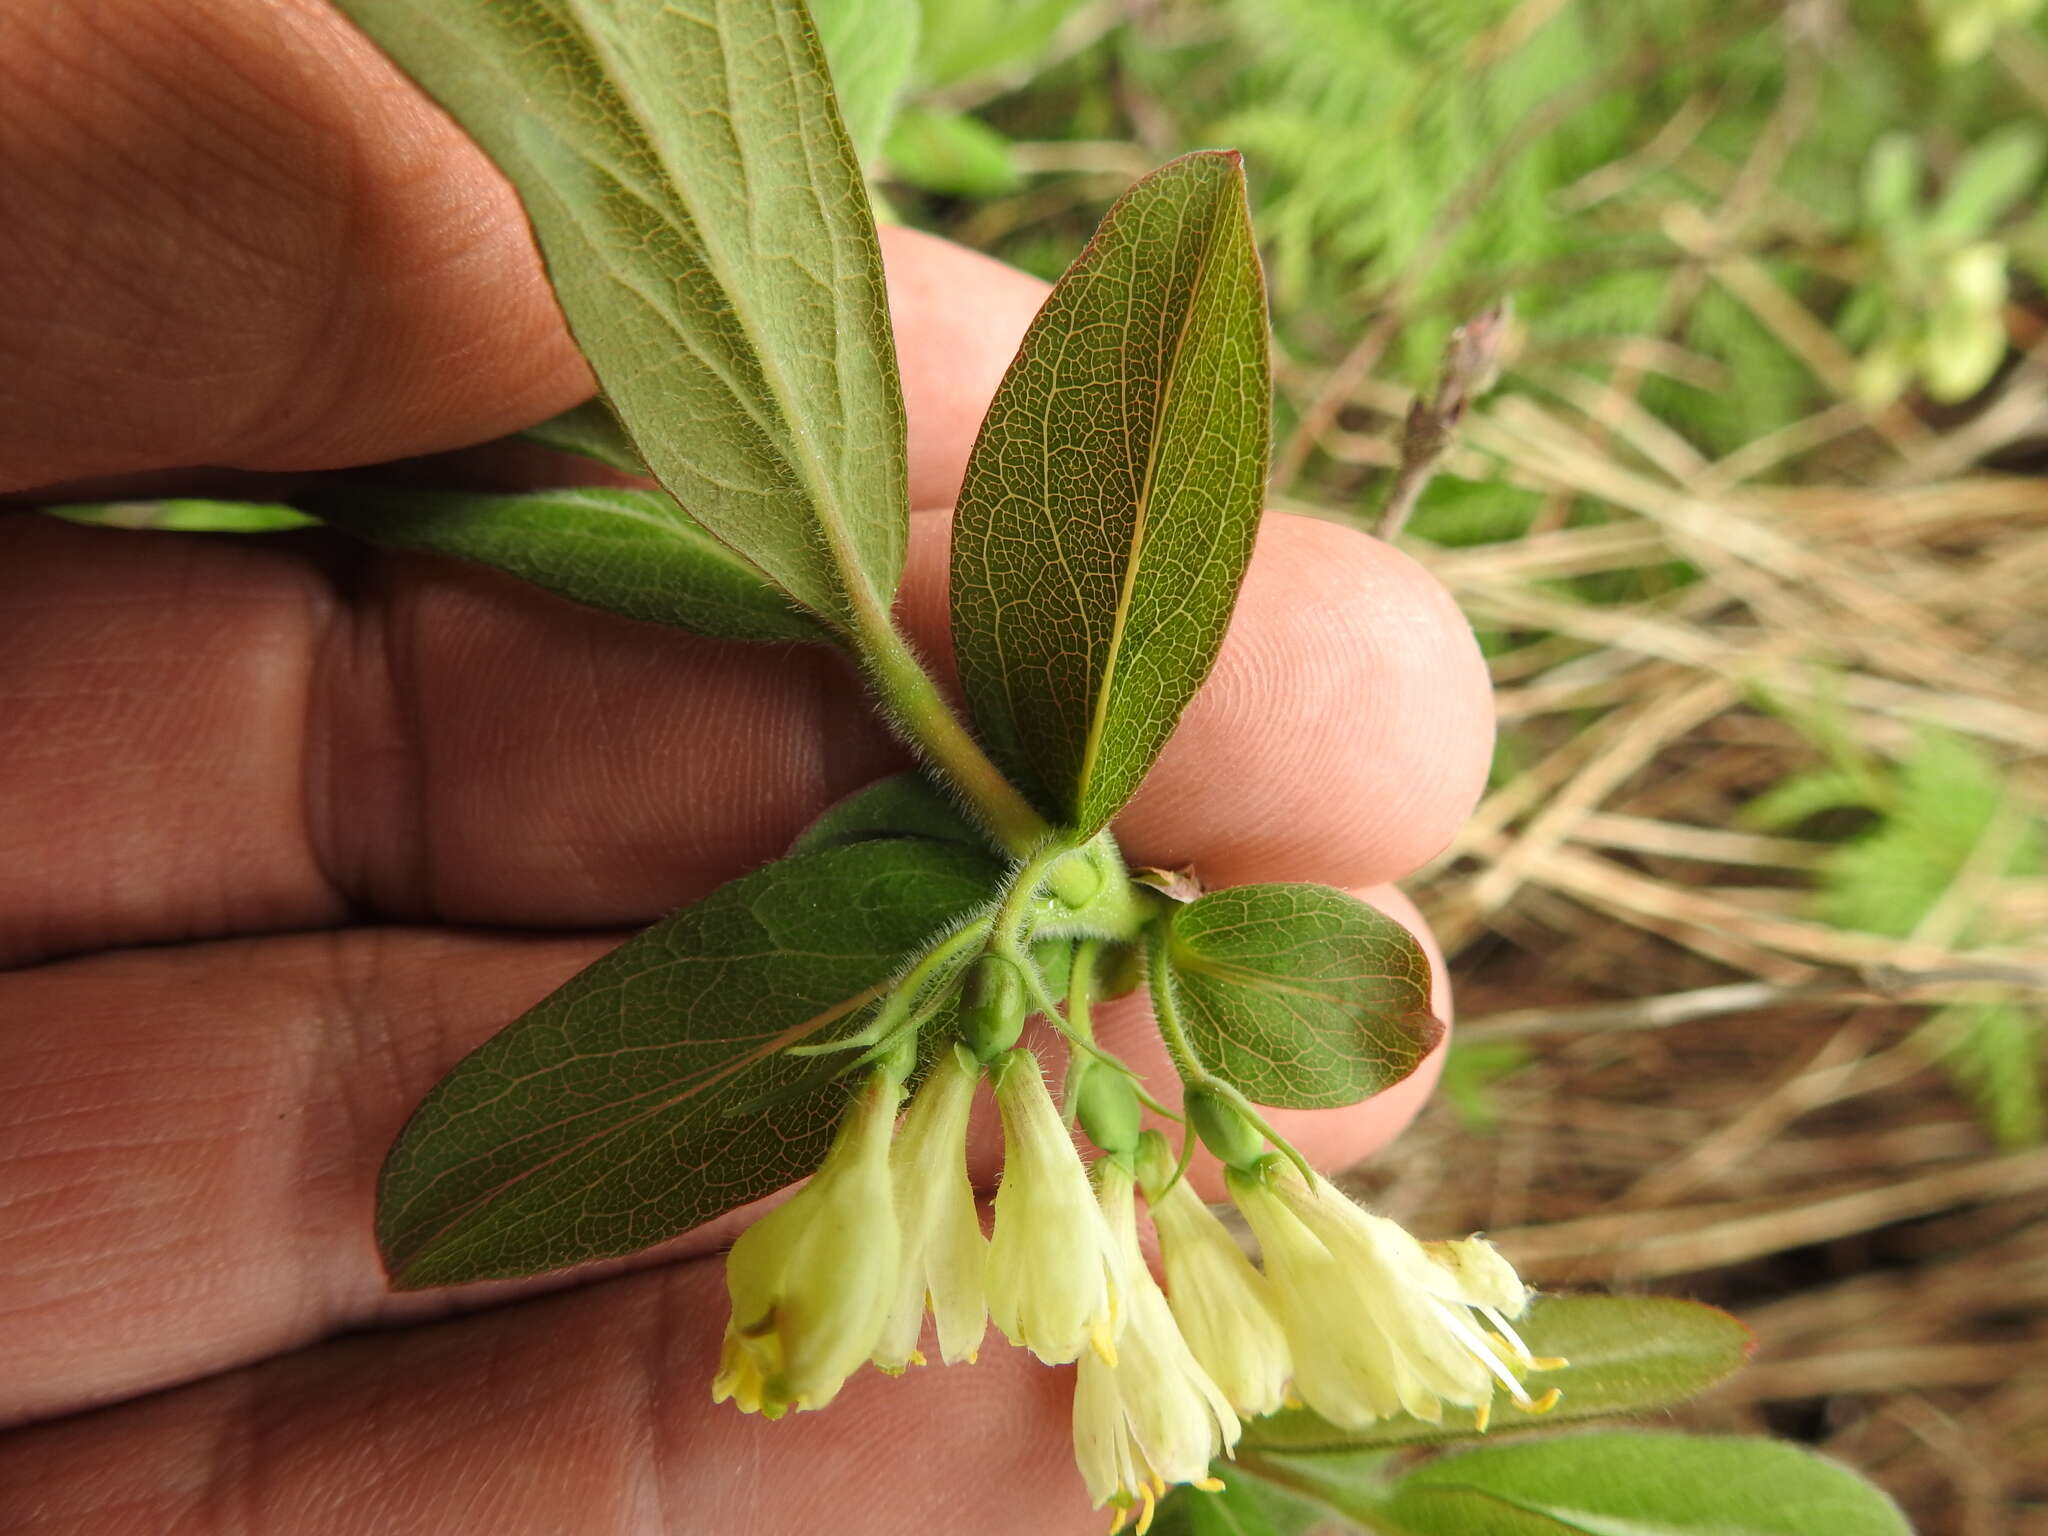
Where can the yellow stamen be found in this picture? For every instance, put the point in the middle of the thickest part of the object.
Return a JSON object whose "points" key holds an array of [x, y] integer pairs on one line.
{"points": [[1482, 1416], [917, 1357], [1208, 1484], [1548, 1362], [1544, 1403], [1151, 1507]]}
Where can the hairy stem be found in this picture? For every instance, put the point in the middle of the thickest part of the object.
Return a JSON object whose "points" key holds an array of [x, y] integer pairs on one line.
{"points": [[1166, 1014], [921, 714]]}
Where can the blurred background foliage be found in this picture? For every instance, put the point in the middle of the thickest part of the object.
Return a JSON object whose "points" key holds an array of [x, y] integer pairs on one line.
{"points": [[1749, 930]]}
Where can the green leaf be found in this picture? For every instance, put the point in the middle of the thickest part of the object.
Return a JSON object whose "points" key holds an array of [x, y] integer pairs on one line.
{"points": [[603, 1120], [1628, 1354], [1988, 181], [872, 46], [1891, 184], [1245, 1506], [706, 229], [1996, 1050], [902, 805], [1635, 1484], [591, 431], [1300, 995], [975, 39], [1111, 501], [184, 515], [951, 153], [1333, 1481], [630, 552]]}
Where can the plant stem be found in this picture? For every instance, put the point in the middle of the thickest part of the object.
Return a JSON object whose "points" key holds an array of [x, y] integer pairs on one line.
{"points": [[921, 713], [1008, 929], [1471, 363], [1081, 990], [1166, 1014]]}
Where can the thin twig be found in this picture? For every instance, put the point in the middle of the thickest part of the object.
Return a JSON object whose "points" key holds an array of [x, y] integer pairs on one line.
{"points": [[1472, 362]]}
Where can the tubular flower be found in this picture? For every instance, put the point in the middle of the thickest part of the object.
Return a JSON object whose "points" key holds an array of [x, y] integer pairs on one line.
{"points": [[1152, 1417], [945, 1257], [1378, 1322], [812, 1282], [1226, 1309], [1051, 1262]]}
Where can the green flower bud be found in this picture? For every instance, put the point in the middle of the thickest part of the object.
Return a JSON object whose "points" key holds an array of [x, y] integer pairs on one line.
{"points": [[1120, 971], [1076, 880], [1224, 1129], [993, 1004], [1107, 1106]]}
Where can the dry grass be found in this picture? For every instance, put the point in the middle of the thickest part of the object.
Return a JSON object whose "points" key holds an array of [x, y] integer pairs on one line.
{"points": [[1725, 1099]]}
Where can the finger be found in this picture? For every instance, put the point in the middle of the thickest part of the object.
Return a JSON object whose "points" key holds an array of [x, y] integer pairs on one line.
{"points": [[235, 234], [1343, 737], [209, 737], [586, 1412], [190, 1138], [959, 317]]}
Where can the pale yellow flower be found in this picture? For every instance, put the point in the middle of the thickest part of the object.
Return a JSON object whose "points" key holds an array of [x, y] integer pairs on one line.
{"points": [[1379, 1323], [813, 1282], [1153, 1418], [1225, 1307], [1051, 1261], [945, 1257]]}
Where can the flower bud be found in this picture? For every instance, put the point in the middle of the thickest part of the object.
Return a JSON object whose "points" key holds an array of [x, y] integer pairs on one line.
{"points": [[993, 1004], [1075, 881], [1224, 1129], [1119, 970], [1107, 1106]]}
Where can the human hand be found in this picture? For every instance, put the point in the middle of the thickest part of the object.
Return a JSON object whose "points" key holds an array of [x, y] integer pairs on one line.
{"points": [[288, 826]]}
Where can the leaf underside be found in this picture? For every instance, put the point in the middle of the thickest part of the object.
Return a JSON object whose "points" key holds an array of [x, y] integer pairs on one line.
{"points": [[590, 431], [1111, 500], [902, 805], [706, 229], [1299, 995], [649, 1093], [630, 552]]}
